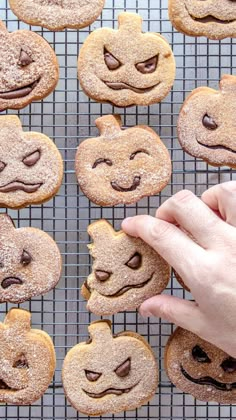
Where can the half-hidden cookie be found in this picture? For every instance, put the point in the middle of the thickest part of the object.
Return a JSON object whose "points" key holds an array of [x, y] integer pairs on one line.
{"points": [[27, 359], [31, 167], [29, 68], [200, 369], [122, 166], [30, 262], [126, 271], [57, 14], [125, 66], [206, 124], [214, 19], [109, 374]]}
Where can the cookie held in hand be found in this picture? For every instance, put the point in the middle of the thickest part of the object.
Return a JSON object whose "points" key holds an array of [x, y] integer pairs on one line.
{"points": [[206, 124], [126, 271], [125, 66], [30, 262], [27, 359], [57, 14], [122, 166], [109, 374], [200, 369]]}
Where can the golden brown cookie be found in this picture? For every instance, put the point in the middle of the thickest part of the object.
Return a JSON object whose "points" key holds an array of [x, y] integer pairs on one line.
{"points": [[27, 359], [126, 271], [109, 374], [215, 19], [200, 369], [206, 125], [122, 166], [57, 14], [30, 262], [29, 68], [125, 66], [31, 167]]}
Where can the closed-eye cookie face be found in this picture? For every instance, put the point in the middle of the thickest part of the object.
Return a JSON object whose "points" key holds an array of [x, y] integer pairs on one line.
{"points": [[109, 374], [207, 126], [122, 166], [30, 262], [28, 69], [125, 66], [200, 369], [126, 271], [57, 14], [215, 19], [27, 359], [31, 167]]}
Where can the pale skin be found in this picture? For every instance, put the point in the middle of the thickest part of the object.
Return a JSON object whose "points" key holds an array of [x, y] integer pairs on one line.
{"points": [[207, 267]]}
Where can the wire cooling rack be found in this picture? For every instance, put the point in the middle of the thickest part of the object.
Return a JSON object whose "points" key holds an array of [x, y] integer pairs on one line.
{"points": [[67, 116]]}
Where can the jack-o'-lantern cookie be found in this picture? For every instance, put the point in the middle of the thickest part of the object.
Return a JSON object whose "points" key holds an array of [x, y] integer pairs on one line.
{"points": [[125, 66], [109, 374], [215, 19], [206, 125], [31, 167], [57, 14], [30, 262], [122, 166], [200, 369], [29, 69], [126, 271], [27, 359]]}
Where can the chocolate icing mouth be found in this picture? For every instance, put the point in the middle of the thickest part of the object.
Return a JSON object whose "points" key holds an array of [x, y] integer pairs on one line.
{"points": [[19, 186], [133, 187], [207, 380], [212, 19], [110, 391], [5, 387], [10, 281], [127, 288], [217, 147], [121, 86], [20, 92]]}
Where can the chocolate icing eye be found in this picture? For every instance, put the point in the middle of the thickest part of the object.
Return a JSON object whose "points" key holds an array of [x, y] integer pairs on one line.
{"points": [[229, 365], [25, 258], [99, 161], [102, 275], [200, 355], [2, 166], [124, 369], [21, 362], [135, 261], [111, 61], [24, 59], [92, 376], [137, 153], [148, 66], [209, 123], [32, 158]]}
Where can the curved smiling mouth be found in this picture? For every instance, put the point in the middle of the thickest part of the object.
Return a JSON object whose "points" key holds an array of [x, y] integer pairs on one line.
{"points": [[212, 19], [217, 147], [20, 92], [18, 185], [125, 289], [110, 391], [207, 380], [136, 183], [121, 86], [10, 281]]}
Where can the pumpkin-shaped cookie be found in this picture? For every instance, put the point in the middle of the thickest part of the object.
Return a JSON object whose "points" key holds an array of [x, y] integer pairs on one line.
{"points": [[28, 70], [200, 369], [57, 14], [126, 66], [31, 167], [215, 19], [30, 262], [122, 166], [109, 374], [27, 360], [126, 271], [206, 125]]}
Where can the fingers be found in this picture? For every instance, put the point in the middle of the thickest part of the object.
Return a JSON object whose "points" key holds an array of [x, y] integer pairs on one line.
{"points": [[222, 199]]}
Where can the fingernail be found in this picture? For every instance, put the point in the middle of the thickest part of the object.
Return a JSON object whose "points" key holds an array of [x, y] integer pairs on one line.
{"points": [[126, 220]]}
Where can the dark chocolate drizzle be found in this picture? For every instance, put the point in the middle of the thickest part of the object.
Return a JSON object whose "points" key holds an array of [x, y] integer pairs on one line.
{"points": [[19, 93], [136, 183], [207, 380], [121, 86], [9, 281], [19, 186], [125, 289], [217, 147]]}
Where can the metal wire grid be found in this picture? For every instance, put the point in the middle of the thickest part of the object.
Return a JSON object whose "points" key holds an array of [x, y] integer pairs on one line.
{"points": [[67, 116]]}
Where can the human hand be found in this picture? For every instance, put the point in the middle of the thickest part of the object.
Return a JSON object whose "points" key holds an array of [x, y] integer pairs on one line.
{"points": [[207, 266]]}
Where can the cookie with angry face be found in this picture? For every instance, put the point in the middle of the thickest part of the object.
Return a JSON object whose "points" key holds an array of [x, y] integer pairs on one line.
{"points": [[126, 271], [126, 66], [200, 369], [206, 125], [214, 19], [29, 69], [30, 262], [122, 166], [31, 167], [57, 14], [27, 359], [109, 374]]}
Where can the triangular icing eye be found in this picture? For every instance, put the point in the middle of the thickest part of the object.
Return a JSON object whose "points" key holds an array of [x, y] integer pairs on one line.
{"points": [[2, 166], [209, 122], [25, 258], [148, 66], [124, 369], [21, 362], [111, 61], [92, 376], [24, 59], [200, 355], [135, 261], [32, 158], [102, 275]]}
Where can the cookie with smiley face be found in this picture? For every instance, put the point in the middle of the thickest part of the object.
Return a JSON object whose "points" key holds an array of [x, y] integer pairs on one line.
{"points": [[23, 376], [126, 271], [200, 369], [122, 166], [109, 374], [57, 14], [206, 124], [29, 69], [30, 262], [31, 167], [215, 19], [125, 66]]}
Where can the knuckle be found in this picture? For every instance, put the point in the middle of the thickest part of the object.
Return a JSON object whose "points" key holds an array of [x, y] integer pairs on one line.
{"points": [[160, 231], [166, 312], [228, 187], [182, 197]]}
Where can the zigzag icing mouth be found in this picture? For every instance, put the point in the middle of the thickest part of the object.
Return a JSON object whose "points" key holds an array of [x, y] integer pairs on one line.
{"points": [[207, 380], [217, 147], [121, 86], [19, 186], [125, 289], [110, 391]]}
